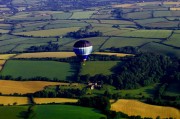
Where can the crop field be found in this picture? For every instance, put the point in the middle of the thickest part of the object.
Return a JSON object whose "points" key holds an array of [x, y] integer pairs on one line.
{"points": [[65, 112], [49, 32], [24, 87], [82, 14], [98, 67], [6, 56], [54, 100], [30, 69], [110, 54], [12, 112], [151, 20], [122, 42], [46, 54], [122, 22], [133, 107], [11, 100]]}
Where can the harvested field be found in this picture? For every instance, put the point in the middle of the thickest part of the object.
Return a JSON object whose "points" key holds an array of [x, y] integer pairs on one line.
{"points": [[10, 100], [6, 56], [24, 87], [46, 54], [54, 100], [116, 54], [134, 107]]}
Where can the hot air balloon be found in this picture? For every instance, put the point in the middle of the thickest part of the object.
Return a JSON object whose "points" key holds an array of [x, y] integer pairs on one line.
{"points": [[82, 49]]}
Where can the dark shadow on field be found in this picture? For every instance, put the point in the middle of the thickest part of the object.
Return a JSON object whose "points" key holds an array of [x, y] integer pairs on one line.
{"points": [[22, 115], [117, 68], [75, 70]]}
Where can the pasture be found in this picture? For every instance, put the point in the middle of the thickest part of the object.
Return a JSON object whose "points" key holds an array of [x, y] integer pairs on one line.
{"points": [[66, 112], [24, 87], [49, 32], [82, 14], [98, 67], [134, 107], [122, 42], [31, 69]]}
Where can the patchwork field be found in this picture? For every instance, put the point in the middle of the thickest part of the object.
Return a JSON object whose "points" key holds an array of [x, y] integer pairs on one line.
{"points": [[133, 107], [98, 67], [31, 69], [24, 87], [6, 56]]}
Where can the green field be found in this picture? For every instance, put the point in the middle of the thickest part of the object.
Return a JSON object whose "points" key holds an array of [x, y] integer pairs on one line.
{"points": [[82, 14], [98, 67], [122, 42], [50, 112], [161, 49], [30, 69], [12, 112], [174, 40], [65, 112], [172, 90]]}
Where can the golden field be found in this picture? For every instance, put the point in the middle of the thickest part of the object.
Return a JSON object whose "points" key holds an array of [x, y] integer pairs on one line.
{"points": [[46, 54], [9, 100], [134, 107], [116, 54], [24, 87], [62, 54], [175, 8], [6, 56], [54, 100]]}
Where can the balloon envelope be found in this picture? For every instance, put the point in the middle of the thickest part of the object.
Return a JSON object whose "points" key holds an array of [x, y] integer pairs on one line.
{"points": [[82, 49]]}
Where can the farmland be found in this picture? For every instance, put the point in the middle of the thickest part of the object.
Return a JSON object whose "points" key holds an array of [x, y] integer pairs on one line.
{"points": [[31, 69], [8, 100], [133, 107], [24, 87], [29, 31]]}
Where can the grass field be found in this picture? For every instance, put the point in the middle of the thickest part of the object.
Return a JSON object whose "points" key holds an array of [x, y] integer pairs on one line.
{"points": [[161, 49], [54, 100], [65, 112], [49, 32], [82, 14], [133, 107], [173, 89], [2, 63], [30, 69], [24, 87], [98, 67], [10, 100], [174, 40], [12, 112], [122, 42]]}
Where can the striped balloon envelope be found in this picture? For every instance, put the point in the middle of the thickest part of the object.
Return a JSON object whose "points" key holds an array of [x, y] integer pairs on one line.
{"points": [[82, 49]]}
